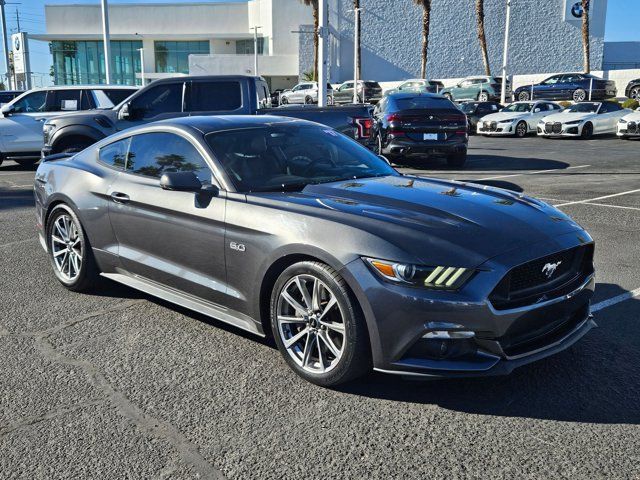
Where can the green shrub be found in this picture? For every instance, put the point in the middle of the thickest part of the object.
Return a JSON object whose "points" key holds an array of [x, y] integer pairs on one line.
{"points": [[565, 104], [630, 103]]}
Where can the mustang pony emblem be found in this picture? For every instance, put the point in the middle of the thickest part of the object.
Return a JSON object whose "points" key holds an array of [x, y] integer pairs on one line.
{"points": [[550, 268]]}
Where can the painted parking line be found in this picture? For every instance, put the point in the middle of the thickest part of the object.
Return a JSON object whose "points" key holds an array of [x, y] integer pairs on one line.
{"points": [[614, 300], [588, 200], [624, 207], [534, 173]]}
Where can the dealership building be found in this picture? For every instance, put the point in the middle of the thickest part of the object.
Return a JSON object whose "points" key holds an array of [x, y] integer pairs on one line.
{"points": [[157, 40]]}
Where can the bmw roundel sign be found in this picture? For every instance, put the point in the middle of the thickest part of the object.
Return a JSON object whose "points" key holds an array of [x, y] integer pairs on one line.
{"points": [[573, 10], [577, 10], [16, 43]]}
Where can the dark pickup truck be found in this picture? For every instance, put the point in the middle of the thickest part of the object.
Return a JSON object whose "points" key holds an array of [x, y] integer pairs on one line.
{"points": [[189, 96]]}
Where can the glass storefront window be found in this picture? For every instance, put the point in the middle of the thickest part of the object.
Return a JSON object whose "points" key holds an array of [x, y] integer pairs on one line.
{"points": [[173, 57], [245, 47], [82, 62]]}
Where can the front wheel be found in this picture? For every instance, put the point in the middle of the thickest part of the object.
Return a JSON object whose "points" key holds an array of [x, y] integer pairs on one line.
{"points": [[318, 326], [457, 159], [308, 100], [523, 96], [587, 131], [483, 97], [69, 251], [521, 129], [284, 101]]}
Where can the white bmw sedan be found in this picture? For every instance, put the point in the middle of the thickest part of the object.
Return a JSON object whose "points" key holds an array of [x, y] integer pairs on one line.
{"points": [[517, 119], [583, 120], [629, 125]]}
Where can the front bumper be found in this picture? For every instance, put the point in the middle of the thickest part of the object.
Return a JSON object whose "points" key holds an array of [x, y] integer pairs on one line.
{"points": [[501, 129], [624, 131], [399, 317], [566, 131]]}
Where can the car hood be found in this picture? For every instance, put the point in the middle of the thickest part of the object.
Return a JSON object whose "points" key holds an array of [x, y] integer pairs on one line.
{"points": [[632, 117], [499, 116], [435, 220], [568, 117]]}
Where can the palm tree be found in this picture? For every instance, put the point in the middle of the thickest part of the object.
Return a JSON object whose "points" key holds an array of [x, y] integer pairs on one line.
{"points": [[316, 20], [481, 36], [585, 35], [426, 19], [356, 6]]}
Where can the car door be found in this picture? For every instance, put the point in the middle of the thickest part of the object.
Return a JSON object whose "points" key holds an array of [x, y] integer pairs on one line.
{"points": [[539, 111], [21, 126], [547, 88], [344, 93], [154, 103], [567, 85], [171, 237], [608, 116]]}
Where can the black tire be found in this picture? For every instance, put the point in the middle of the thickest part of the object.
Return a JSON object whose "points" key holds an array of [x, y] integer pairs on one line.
{"points": [[377, 148], [523, 96], [284, 101], [634, 93], [457, 160], [587, 131], [355, 360], [483, 97], [470, 129], [579, 95], [308, 100], [89, 274], [521, 129]]}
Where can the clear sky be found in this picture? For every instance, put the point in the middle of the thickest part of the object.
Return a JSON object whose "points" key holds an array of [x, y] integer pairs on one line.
{"points": [[622, 25]]}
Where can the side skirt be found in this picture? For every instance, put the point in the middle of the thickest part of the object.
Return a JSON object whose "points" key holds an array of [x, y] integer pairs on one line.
{"points": [[188, 301]]}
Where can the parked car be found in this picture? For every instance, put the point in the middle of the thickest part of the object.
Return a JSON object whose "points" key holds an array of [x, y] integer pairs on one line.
{"points": [[629, 125], [476, 110], [517, 119], [7, 95], [275, 96], [583, 120], [22, 118], [306, 92], [193, 95], [418, 85], [368, 92], [633, 89], [286, 228], [568, 86], [412, 126], [482, 88]]}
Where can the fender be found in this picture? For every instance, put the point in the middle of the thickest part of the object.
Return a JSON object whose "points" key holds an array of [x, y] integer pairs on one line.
{"points": [[76, 130]]}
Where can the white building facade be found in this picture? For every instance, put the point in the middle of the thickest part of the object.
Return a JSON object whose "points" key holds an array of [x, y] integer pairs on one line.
{"points": [[158, 40]]}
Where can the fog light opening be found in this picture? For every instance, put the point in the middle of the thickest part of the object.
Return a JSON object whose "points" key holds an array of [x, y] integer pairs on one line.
{"points": [[449, 334]]}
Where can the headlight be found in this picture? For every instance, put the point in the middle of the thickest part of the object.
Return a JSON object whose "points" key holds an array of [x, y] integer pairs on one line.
{"points": [[510, 120], [573, 122], [46, 132], [440, 277], [622, 120]]}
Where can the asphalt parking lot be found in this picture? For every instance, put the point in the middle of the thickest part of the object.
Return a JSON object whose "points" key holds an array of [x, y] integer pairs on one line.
{"points": [[122, 385]]}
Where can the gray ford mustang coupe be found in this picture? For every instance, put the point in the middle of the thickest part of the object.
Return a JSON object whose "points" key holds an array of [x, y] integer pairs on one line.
{"points": [[287, 228]]}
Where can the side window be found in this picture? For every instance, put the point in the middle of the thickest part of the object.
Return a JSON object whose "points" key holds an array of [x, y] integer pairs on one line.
{"points": [[116, 95], [215, 96], [296, 88], [604, 108], [552, 80], [166, 98], [34, 102], [115, 154], [466, 83], [152, 154], [264, 100], [63, 100]]}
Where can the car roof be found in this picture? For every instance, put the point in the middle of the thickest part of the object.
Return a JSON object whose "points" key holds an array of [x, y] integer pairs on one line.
{"points": [[396, 95], [213, 123], [84, 87]]}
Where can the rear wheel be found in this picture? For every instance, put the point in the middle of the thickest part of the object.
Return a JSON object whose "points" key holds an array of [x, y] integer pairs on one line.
{"points": [[587, 131], [523, 96], [318, 326], [69, 250], [457, 159], [284, 101], [579, 95], [634, 93], [521, 129], [308, 100]]}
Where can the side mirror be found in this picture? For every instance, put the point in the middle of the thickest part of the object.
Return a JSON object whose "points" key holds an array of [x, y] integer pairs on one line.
{"points": [[537, 110], [180, 182], [7, 110], [124, 113]]}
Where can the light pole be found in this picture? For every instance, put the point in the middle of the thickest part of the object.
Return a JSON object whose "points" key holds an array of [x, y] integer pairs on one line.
{"points": [[4, 43], [141, 50], [356, 52], [503, 91], [255, 49], [322, 52], [106, 40]]}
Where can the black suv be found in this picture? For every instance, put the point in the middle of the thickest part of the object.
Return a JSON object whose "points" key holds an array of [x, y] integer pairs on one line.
{"points": [[409, 126]]}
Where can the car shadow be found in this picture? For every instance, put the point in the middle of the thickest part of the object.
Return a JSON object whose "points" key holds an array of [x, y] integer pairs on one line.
{"points": [[483, 163], [16, 198], [594, 381], [10, 166]]}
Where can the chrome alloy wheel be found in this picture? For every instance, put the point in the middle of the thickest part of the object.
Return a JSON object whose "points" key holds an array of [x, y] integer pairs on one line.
{"points": [[66, 247], [311, 324]]}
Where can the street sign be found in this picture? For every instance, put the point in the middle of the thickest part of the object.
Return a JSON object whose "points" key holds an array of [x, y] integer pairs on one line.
{"points": [[573, 10], [20, 49]]}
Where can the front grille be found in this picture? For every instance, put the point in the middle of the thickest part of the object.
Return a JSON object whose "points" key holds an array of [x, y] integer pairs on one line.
{"points": [[553, 127], [546, 277], [490, 126]]}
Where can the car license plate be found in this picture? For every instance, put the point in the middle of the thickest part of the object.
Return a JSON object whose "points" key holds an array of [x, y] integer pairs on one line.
{"points": [[430, 136]]}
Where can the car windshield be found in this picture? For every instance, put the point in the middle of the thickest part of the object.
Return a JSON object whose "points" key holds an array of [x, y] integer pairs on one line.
{"points": [[584, 107], [421, 102], [468, 107], [289, 157], [518, 107]]}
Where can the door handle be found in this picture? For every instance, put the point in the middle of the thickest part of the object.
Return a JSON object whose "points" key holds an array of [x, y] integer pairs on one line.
{"points": [[119, 197]]}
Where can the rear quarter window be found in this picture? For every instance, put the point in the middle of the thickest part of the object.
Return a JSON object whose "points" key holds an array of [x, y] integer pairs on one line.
{"points": [[115, 154]]}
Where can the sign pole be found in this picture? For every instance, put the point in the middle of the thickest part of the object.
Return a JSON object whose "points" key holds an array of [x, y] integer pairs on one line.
{"points": [[4, 43], [322, 52], [106, 40], [503, 90]]}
